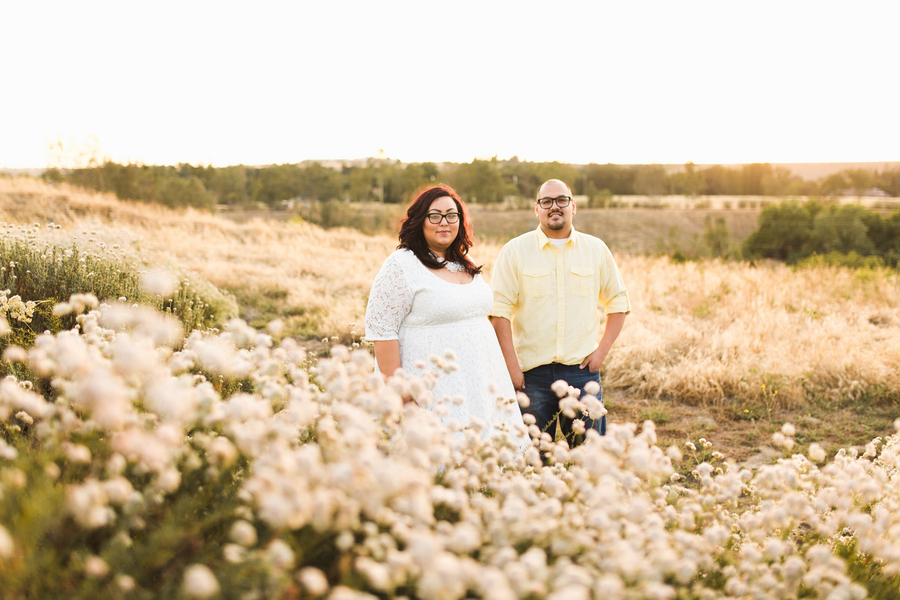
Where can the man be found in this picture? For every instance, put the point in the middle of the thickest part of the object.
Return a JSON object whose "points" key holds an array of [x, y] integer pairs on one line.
{"points": [[547, 284]]}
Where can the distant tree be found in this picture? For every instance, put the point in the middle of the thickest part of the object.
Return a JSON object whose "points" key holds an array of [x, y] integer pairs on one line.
{"points": [[834, 184], [752, 178], [229, 185], [780, 182], [784, 230], [842, 229], [860, 180], [618, 180], [690, 181], [889, 181], [183, 192], [478, 181], [318, 182], [277, 182], [716, 236], [651, 180], [360, 183], [719, 180]]}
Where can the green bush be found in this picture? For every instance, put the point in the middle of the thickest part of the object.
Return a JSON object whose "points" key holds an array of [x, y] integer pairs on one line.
{"points": [[42, 273], [791, 231], [834, 258]]}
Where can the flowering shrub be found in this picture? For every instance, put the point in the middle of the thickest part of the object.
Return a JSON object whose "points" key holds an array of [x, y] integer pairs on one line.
{"points": [[238, 468], [40, 266]]}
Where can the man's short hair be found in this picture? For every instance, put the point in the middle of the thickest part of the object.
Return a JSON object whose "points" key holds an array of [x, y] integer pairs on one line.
{"points": [[553, 181]]}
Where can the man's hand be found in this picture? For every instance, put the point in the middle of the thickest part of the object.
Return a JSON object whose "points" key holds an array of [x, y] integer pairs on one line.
{"points": [[518, 378], [614, 323], [593, 360]]}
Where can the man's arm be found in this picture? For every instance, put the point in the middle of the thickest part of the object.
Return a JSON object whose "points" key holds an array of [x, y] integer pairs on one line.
{"points": [[614, 323], [503, 329], [387, 355]]}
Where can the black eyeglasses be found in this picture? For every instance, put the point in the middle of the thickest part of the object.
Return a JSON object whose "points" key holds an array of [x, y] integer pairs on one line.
{"points": [[436, 218], [561, 201]]}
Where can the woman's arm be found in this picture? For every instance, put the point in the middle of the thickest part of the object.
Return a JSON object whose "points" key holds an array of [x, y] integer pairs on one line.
{"points": [[503, 329], [387, 355]]}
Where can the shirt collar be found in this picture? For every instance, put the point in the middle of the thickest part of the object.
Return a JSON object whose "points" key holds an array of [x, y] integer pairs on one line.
{"points": [[543, 240]]}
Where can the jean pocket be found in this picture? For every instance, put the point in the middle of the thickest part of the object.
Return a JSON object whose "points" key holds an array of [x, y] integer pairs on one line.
{"points": [[581, 281], [537, 282]]}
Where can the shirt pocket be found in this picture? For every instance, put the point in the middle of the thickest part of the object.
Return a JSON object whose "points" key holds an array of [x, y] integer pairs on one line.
{"points": [[581, 281], [537, 282]]}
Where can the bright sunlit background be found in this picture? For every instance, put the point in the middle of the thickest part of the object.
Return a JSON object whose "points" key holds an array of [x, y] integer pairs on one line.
{"points": [[626, 82]]}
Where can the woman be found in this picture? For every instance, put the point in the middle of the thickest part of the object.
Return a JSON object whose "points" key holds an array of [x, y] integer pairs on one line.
{"points": [[428, 298]]}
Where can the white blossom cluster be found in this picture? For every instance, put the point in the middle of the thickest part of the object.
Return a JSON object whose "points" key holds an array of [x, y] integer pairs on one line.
{"points": [[14, 309], [333, 463]]}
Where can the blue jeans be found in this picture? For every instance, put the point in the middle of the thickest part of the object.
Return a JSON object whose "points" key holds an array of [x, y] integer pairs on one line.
{"points": [[545, 403]]}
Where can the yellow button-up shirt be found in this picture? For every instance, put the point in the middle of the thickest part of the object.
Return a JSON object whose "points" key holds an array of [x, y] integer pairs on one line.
{"points": [[551, 296]]}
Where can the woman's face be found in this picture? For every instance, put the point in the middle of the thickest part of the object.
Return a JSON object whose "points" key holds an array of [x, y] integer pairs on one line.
{"points": [[439, 236]]}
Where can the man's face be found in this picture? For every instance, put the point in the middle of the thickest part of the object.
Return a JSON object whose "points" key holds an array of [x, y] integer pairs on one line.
{"points": [[555, 218]]}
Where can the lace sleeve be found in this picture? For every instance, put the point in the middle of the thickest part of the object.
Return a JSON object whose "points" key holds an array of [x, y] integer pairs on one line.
{"points": [[389, 302]]}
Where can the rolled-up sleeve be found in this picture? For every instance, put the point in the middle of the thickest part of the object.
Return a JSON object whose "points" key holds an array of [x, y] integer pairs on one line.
{"points": [[613, 295], [505, 284]]}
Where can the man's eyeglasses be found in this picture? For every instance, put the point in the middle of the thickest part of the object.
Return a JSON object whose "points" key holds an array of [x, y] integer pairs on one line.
{"points": [[561, 201], [436, 218]]}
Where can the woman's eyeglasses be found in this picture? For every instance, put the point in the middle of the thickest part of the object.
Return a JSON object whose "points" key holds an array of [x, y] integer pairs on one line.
{"points": [[561, 201], [436, 218]]}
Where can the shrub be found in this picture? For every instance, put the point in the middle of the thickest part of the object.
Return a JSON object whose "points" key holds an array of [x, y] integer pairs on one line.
{"points": [[784, 230], [40, 271], [839, 259]]}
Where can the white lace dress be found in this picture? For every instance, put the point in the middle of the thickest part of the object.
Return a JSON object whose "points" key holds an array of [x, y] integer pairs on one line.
{"points": [[428, 316]]}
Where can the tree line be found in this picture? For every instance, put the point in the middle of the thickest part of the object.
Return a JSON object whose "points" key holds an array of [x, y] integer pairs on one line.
{"points": [[791, 231], [483, 181]]}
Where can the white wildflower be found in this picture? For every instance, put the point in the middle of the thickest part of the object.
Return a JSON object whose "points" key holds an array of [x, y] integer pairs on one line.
{"points": [[560, 388], [816, 452], [125, 583], [95, 567], [7, 547], [313, 581], [77, 453], [199, 582], [15, 354], [234, 553], [280, 555], [159, 282], [674, 453], [275, 327]]}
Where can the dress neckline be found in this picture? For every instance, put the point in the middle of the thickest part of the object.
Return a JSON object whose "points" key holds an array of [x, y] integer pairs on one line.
{"points": [[436, 276]]}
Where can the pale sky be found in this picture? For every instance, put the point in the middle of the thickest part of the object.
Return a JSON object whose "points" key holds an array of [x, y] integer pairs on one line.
{"points": [[588, 81]]}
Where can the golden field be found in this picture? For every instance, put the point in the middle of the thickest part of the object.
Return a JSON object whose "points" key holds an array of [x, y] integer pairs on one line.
{"points": [[704, 333]]}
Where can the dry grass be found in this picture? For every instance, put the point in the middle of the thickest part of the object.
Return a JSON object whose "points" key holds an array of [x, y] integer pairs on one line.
{"points": [[710, 333], [319, 279]]}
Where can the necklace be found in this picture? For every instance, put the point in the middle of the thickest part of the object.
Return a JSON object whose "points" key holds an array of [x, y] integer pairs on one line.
{"points": [[453, 267]]}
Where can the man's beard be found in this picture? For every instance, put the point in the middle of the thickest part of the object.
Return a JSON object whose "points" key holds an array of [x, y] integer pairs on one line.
{"points": [[556, 225]]}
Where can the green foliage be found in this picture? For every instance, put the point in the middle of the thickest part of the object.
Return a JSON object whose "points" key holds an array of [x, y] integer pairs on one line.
{"points": [[716, 237], [651, 180], [43, 273], [847, 234], [839, 259], [841, 229], [784, 230]]}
